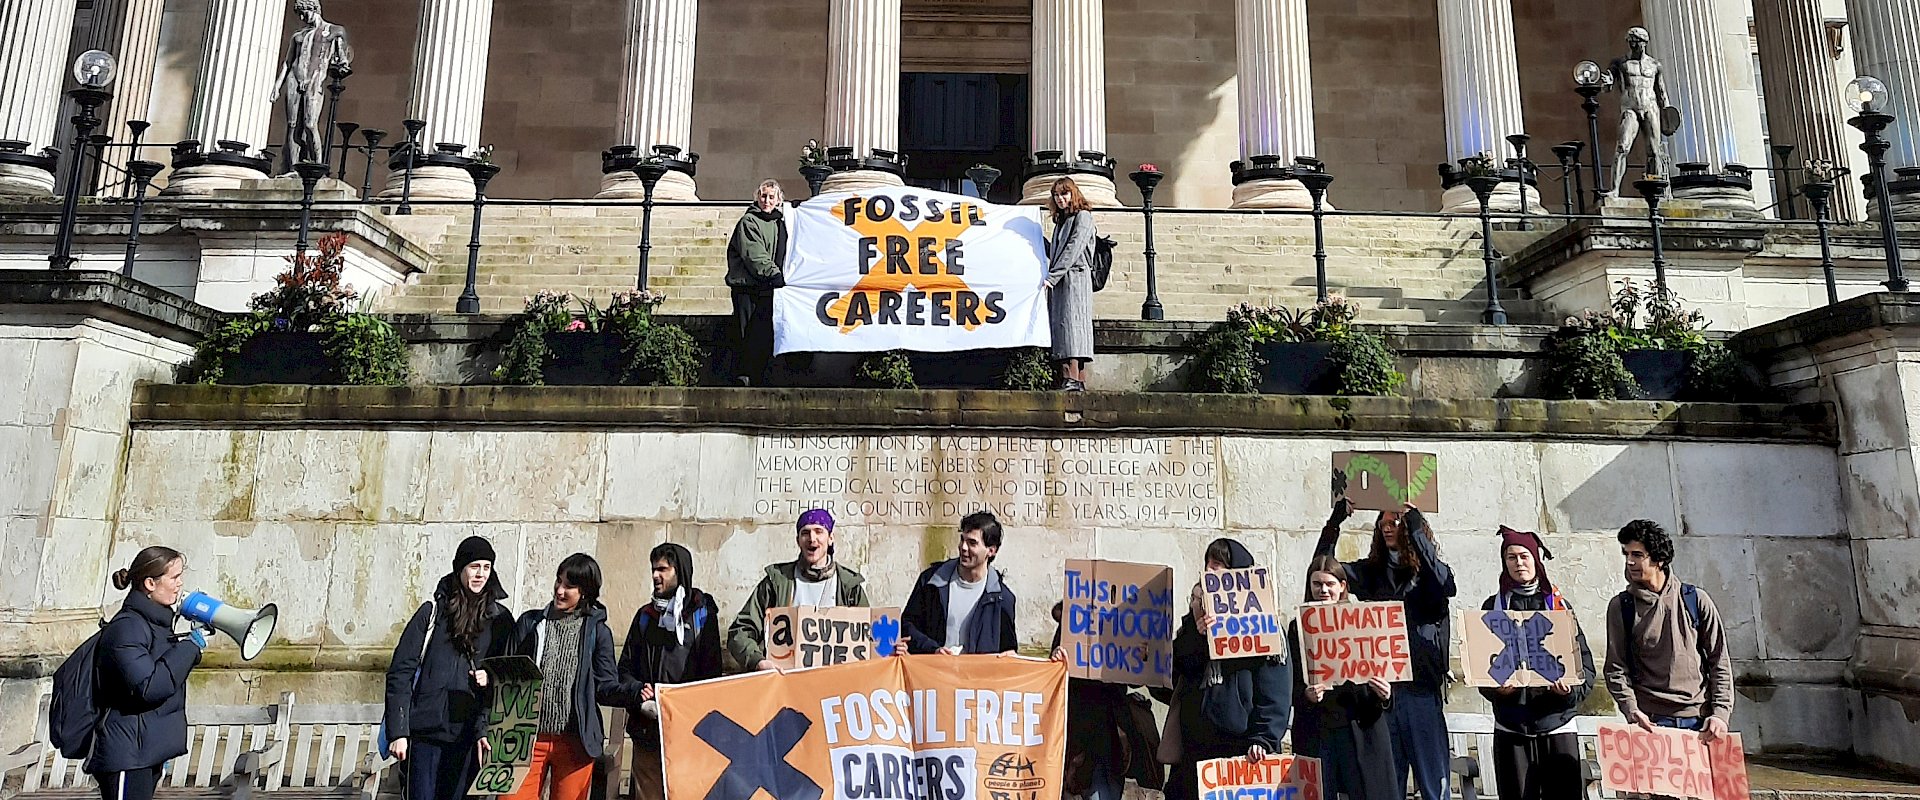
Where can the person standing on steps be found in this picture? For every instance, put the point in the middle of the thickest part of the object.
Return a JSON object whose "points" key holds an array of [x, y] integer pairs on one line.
{"points": [[1404, 564], [1536, 750], [140, 675], [812, 579], [674, 639], [571, 642], [1667, 662], [437, 694], [1229, 708], [756, 255], [1070, 282], [963, 605]]}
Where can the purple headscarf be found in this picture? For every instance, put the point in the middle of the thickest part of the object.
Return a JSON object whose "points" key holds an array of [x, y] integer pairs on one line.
{"points": [[817, 516]]}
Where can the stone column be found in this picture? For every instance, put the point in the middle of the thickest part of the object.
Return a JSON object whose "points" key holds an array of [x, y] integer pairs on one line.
{"points": [[1802, 96], [1481, 74], [1886, 45], [449, 92], [1276, 102], [863, 94], [1070, 101], [130, 30], [1705, 150], [656, 100], [33, 70], [231, 109]]}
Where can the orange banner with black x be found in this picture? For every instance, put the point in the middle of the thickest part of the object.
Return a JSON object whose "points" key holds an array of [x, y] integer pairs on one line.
{"points": [[934, 727]]}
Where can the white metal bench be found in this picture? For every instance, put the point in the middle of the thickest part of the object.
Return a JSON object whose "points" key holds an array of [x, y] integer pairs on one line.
{"points": [[233, 751]]}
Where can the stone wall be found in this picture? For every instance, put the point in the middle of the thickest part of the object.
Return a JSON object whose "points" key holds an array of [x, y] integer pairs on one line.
{"points": [[344, 513]]}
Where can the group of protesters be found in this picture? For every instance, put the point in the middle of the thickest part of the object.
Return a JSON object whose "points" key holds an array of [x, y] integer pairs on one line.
{"points": [[1666, 665]]}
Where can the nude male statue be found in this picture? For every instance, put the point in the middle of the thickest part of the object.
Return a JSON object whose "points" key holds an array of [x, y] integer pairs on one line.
{"points": [[319, 49], [1643, 98]]}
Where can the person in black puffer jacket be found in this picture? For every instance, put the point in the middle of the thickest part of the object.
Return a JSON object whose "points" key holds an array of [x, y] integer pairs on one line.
{"points": [[1536, 751], [1227, 707], [571, 642], [142, 679], [436, 692], [1345, 726], [674, 639], [1404, 564]]}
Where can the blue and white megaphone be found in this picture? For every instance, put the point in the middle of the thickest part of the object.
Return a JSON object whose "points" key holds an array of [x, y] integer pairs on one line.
{"points": [[248, 628]]}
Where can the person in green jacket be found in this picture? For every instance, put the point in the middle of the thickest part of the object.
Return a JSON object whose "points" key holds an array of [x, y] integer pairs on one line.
{"points": [[813, 579], [755, 255]]}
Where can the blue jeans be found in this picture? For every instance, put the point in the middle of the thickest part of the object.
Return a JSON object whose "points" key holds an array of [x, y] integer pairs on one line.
{"points": [[1106, 785], [1683, 723], [1420, 741], [440, 770]]}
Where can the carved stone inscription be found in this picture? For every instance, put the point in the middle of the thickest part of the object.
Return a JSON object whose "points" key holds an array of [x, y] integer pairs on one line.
{"points": [[1169, 482]]}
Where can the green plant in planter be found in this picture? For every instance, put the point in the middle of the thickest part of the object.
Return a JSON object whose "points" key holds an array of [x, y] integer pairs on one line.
{"points": [[309, 298], [1029, 370], [1585, 354], [1479, 165], [652, 353], [892, 369], [1230, 361]]}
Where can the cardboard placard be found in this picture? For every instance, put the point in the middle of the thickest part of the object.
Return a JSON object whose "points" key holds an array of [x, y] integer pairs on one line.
{"points": [[1385, 481], [1521, 649], [1116, 622], [1664, 761], [799, 637], [1279, 777], [969, 727], [1729, 757], [1246, 617], [1352, 642], [513, 723]]}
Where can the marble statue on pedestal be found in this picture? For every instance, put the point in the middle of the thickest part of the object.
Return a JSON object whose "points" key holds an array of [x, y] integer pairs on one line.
{"points": [[1643, 106], [319, 51]]}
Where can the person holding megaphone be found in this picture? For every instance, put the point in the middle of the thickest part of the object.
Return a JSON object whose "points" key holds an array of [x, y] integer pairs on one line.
{"points": [[142, 668], [436, 691]]}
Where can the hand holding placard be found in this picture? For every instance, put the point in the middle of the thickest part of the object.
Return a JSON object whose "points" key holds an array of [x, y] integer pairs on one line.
{"points": [[1243, 616], [1354, 642]]}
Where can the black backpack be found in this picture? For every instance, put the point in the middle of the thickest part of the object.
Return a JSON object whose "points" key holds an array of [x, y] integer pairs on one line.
{"points": [[1102, 261], [73, 716]]}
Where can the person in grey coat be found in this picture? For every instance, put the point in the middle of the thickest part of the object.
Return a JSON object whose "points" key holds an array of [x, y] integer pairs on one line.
{"points": [[1070, 282]]}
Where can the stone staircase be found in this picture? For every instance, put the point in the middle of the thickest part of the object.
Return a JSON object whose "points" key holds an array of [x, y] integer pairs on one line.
{"points": [[1398, 269]]}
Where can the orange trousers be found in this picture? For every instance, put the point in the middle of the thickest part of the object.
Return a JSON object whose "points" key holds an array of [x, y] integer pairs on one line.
{"points": [[560, 759]]}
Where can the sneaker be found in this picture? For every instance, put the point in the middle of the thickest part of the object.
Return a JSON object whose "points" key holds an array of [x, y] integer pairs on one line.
{"points": [[1073, 386]]}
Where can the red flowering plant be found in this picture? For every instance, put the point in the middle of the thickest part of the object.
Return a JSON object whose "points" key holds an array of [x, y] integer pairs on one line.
{"points": [[308, 298]]}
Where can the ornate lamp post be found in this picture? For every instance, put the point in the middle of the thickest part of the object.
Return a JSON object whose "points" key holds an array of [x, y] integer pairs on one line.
{"points": [[1819, 189], [649, 172], [1525, 168], [1148, 178], [1313, 174], [1653, 189], [142, 173], [1866, 95], [414, 126], [482, 172], [310, 173], [1589, 81], [337, 73], [139, 128], [94, 70], [346, 145], [984, 176], [1569, 155], [1783, 181], [1483, 186], [372, 137]]}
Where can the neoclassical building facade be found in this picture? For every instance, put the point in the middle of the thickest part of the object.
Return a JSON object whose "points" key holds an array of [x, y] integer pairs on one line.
{"points": [[1217, 93]]}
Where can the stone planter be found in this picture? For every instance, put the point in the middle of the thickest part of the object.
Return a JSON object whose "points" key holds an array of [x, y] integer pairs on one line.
{"points": [[1662, 374], [1298, 368], [282, 357], [583, 359]]}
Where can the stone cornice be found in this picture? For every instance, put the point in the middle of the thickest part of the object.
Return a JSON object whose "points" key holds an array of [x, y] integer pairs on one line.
{"points": [[108, 296], [848, 410], [1808, 329]]}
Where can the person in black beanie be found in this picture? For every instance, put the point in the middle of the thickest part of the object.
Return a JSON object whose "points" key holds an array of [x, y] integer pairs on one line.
{"points": [[674, 639], [1536, 750], [436, 692]]}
